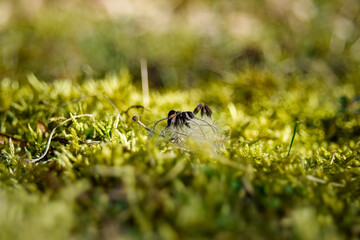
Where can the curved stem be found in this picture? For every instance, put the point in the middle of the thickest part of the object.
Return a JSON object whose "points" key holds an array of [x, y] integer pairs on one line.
{"points": [[35, 160], [153, 129], [144, 126], [162, 132]]}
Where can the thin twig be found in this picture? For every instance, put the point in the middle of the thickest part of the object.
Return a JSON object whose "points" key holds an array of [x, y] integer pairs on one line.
{"points": [[134, 106], [136, 119], [333, 157], [337, 184], [318, 180], [158, 122], [315, 179], [35, 160], [144, 82], [89, 142]]}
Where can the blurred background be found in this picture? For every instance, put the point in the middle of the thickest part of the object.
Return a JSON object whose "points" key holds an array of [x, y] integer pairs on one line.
{"points": [[184, 42]]}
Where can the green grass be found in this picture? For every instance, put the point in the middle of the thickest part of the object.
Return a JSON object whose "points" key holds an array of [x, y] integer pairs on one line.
{"points": [[130, 186]]}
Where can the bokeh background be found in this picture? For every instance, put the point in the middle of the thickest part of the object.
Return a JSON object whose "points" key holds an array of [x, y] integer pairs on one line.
{"points": [[184, 42]]}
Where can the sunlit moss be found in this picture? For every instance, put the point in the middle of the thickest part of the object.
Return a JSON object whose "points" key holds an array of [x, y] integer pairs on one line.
{"points": [[108, 177]]}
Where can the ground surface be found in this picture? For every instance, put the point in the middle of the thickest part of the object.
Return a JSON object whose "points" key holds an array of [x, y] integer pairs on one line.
{"points": [[128, 185]]}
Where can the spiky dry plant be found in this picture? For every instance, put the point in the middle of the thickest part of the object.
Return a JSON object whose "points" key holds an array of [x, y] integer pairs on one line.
{"points": [[184, 125]]}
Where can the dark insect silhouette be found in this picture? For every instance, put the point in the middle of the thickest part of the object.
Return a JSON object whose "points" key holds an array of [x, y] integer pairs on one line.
{"points": [[199, 129], [178, 119], [204, 109]]}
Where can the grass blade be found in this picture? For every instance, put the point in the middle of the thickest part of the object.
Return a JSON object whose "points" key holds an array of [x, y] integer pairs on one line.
{"points": [[292, 140]]}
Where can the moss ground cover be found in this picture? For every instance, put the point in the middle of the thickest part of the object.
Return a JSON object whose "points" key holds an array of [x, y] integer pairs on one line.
{"points": [[106, 178], [278, 159]]}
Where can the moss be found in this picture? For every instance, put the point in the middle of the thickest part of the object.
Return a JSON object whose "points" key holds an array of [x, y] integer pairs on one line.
{"points": [[107, 178]]}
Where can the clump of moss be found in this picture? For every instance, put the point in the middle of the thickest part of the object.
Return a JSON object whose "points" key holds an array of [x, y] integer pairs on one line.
{"points": [[106, 178]]}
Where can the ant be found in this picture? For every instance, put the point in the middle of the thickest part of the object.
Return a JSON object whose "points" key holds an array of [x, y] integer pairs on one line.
{"points": [[205, 110]]}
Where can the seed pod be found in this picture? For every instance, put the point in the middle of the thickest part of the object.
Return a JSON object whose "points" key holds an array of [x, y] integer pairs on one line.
{"points": [[205, 110]]}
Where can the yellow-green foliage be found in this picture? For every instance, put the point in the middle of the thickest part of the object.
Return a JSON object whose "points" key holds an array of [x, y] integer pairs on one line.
{"points": [[107, 179]]}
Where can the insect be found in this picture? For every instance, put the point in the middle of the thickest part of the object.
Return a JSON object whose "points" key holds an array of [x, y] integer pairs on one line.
{"points": [[204, 109]]}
